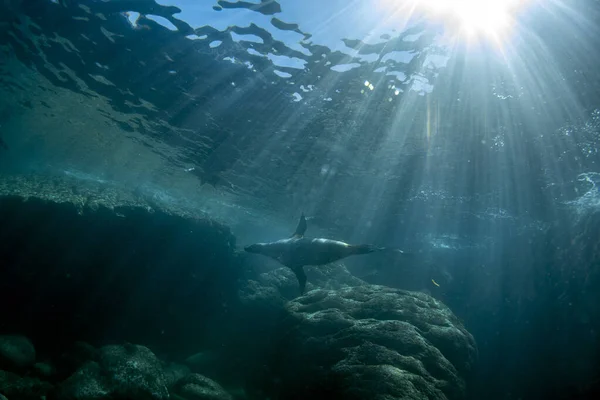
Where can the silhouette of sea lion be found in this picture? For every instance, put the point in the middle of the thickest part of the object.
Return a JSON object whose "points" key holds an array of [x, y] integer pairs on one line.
{"points": [[297, 251]]}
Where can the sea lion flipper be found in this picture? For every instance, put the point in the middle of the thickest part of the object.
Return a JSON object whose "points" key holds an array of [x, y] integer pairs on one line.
{"points": [[369, 248], [358, 249], [301, 228], [301, 275]]}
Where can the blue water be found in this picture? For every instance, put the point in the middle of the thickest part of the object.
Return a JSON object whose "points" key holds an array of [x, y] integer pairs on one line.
{"points": [[469, 143]]}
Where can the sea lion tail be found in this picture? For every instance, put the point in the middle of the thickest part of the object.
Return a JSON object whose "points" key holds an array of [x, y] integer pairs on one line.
{"points": [[365, 249], [369, 248]]}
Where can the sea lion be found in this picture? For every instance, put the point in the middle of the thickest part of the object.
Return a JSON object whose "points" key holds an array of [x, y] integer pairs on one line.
{"points": [[297, 251]]}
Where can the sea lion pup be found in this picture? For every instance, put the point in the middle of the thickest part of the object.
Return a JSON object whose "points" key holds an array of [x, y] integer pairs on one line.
{"points": [[297, 251]]}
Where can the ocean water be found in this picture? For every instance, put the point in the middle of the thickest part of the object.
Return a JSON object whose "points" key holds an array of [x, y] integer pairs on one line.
{"points": [[145, 144]]}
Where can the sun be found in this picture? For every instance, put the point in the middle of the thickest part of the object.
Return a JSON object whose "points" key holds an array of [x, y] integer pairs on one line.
{"points": [[488, 16], [473, 17]]}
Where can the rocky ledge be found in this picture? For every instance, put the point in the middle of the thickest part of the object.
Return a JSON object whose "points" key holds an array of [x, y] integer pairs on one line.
{"points": [[88, 260]]}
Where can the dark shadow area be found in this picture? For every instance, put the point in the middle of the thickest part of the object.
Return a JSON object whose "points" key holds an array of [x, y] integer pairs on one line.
{"points": [[88, 263]]}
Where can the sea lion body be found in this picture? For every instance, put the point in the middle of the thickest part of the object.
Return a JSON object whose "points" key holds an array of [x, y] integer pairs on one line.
{"points": [[297, 251]]}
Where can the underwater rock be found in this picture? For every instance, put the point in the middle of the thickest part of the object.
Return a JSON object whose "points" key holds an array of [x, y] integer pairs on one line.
{"points": [[259, 299], [43, 369], [173, 372], [16, 352], [85, 384], [105, 260], [262, 300], [283, 281], [372, 342], [128, 372], [22, 388], [331, 276], [275, 286], [198, 387], [230, 363], [78, 354]]}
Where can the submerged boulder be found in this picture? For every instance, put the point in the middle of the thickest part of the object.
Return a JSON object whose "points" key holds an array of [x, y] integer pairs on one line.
{"points": [[281, 284], [371, 342], [74, 357], [198, 387], [121, 372], [237, 359], [174, 372], [16, 352], [44, 369], [331, 276], [85, 384], [23, 388]]}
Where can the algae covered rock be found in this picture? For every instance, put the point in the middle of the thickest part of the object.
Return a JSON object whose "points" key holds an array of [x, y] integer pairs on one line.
{"points": [[372, 342], [85, 384], [121, 372], [198, 387], [331, 276], [16, 352], [14, 386]]}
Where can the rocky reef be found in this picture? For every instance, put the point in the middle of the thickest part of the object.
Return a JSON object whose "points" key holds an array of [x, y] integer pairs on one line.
{"points": [[91, 268], [373, 342], [110, 372]]}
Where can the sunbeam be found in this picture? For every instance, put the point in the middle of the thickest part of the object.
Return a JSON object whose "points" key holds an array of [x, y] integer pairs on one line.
{"points": [[438, 159], [488, 18], [491, 17]]}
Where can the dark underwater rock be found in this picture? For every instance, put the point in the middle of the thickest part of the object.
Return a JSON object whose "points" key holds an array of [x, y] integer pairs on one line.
{"points": [[77, 355], [86, 259], [44, 369], [371, 342], [85, 384], [232, 363], [198, 387], [122, 372], [174, 372], [16, 387], [16, 352]]}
